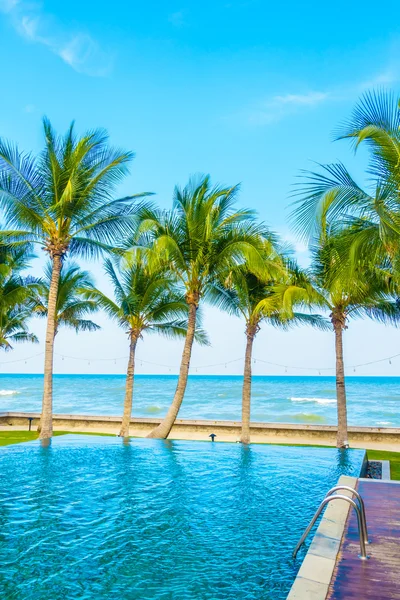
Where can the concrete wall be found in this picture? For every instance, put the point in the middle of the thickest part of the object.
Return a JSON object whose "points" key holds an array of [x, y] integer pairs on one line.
{"points": [[281, 432]]}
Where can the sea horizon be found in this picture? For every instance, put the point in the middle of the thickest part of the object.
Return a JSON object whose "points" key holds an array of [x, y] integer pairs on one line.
{"points": [[310, 399]]}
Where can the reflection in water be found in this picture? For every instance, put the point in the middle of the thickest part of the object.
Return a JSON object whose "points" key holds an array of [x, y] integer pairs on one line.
{"points": [[45, 443], [343, 458], [93, 518]]}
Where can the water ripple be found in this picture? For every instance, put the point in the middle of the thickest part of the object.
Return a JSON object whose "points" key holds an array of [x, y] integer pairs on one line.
{"points": [[96, 518]]}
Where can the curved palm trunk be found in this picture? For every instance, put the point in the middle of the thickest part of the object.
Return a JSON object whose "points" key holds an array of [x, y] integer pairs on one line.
{"points": [[246, 391], [130, 375], [46, 422], [164, 428], [342, 437]]}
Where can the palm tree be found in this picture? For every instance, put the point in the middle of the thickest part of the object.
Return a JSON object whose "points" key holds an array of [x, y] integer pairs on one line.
{"points": [[349, 291], [269, 299], [369, 222], [146, 300], [71, 306], [332, 196], [201, 237], [16, 297], [63, 200]]}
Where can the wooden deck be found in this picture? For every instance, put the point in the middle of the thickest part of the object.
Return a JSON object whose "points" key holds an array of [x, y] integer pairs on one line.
{"points": [[379, 577]]}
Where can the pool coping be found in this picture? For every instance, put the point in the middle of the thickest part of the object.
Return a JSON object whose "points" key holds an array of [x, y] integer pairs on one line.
{"points": [[315, 573]]}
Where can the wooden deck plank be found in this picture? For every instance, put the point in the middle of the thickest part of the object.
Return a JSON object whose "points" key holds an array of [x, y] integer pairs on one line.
{"points": [[379, 577]]}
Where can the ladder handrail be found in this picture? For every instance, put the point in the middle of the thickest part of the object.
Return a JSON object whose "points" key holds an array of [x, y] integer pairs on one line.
{"points": [[363, 554], [361, 503]]}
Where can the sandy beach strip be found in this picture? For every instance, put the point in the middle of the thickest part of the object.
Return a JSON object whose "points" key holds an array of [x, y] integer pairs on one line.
{"points": [[379, 438]]}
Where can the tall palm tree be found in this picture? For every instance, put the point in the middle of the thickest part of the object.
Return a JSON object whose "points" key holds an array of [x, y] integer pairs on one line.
{"points": [[146, 300], [268, 299], [348, 292], [71, 306], [201, 237], [16, 297], [63, 200], [331, 195], [364, 252]]}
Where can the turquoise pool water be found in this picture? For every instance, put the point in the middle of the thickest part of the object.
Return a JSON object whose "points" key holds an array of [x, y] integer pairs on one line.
{"points": [[94, 518]]}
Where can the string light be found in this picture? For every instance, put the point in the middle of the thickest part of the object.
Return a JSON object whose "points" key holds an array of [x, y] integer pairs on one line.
{"points": [[7, 362], [389, 359]]}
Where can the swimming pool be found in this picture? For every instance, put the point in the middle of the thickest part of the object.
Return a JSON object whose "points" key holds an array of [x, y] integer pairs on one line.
{"points": [[92, 518]]}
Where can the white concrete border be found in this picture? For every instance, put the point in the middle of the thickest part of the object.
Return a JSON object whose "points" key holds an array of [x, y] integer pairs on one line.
{"points": [[385, 470], [315, 574]]}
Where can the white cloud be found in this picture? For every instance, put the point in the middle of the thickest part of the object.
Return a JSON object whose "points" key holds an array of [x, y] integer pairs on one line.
{"points": [[77, 49], [8, 5], [310, 99], [279, 106], [29, 108], [28, 27], [381, 80], [177, 19]]}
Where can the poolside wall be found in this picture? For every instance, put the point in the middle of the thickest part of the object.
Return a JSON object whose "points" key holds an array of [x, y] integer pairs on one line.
{"points": [[201, 429]]}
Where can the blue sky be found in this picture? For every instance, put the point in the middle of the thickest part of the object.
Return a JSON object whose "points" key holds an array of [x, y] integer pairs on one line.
{"points": [[248, 91]]}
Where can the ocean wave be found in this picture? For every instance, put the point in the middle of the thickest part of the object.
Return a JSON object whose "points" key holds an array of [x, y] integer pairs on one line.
{"points": [[8, 392], [316, 400], [383, 422]]}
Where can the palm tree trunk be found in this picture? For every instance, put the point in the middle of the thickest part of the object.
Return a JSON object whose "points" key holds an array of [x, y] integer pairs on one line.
{"points": [[164, 428], [130, 374], [46, 423], [342, 437], [246, 391]]}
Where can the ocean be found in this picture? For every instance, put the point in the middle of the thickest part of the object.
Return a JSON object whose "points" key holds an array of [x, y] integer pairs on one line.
{"points": [[373, 401]]}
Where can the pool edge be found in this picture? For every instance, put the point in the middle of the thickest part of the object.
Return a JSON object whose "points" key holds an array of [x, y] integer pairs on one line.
{"points": [[316, 571]]}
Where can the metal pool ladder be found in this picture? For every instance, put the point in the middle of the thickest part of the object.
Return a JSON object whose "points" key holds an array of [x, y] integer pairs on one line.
{"points": [[359, 507]]}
